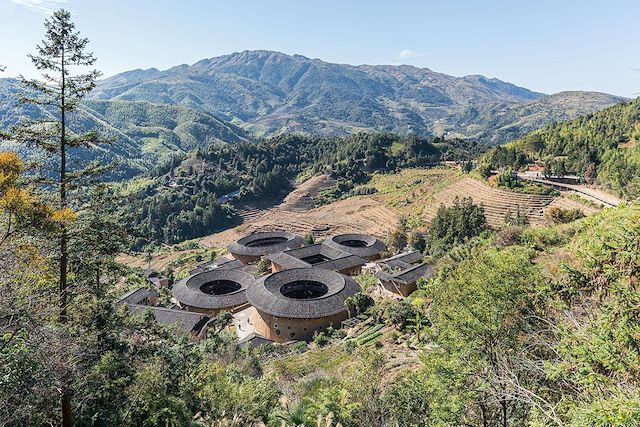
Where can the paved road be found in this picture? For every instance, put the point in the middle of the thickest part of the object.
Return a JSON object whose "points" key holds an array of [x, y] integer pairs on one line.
{"points": [[590, 193]]}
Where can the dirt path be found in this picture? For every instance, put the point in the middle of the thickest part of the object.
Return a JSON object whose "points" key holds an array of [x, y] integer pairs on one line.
{"points": [[594, 194]]}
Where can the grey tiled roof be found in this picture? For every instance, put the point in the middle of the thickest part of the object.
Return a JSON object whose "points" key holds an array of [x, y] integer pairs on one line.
{"points": [[188, 292], [317, 249], [343, 263], [150, 272], [223, 263], [265, 294], [186, 321], [409, 275], [287, 261], [243, 246], [403, 260], [228, 264], [373, 245], [136, 296], [336, 259], [254, 340]]}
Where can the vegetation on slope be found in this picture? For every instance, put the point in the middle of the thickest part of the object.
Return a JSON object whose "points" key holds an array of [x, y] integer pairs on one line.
{"points": [[141, 134], [520, 327], [271, 93], [523, 326], [181, 202], [601, 148], [500, 123]]}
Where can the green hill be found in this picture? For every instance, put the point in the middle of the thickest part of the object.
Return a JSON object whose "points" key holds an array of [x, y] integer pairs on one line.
{"points": [[142, 134], [602, 147]]}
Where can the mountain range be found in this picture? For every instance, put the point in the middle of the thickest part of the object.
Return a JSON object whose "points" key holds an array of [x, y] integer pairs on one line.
{"points": [[152, 114], [140, 133], [269, 92]]}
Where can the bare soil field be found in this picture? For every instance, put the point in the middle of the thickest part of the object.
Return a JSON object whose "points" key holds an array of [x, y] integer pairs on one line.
{"points": [[302, 198], [355, 214]]}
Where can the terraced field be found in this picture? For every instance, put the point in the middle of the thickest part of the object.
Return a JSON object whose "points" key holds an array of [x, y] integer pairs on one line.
{"points": [[415, 194], [356, 214], [303, 197], [407, 191], [497, 202], [567, 203]]}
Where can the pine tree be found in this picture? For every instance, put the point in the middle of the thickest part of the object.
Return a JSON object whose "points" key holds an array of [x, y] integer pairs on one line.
{"points": [[59, 91]]}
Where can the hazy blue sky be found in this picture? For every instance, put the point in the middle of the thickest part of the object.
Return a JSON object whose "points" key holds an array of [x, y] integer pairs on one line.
{"points": [[544, 45]]}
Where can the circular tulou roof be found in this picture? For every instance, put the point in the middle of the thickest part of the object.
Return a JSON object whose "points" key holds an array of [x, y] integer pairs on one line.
{"points": [[214, 289], [329, 290], [362, 245], [263, 243]]}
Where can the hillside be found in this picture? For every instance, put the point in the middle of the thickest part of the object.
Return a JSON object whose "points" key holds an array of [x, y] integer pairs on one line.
{"points": [[186, 199], [270, 92], [602, 148], [141, 134], [494, 124]]}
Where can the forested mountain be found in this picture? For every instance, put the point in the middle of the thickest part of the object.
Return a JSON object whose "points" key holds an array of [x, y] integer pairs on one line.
{"points": [[142, 134], [497, 123], [270, 92], [602, 147]]}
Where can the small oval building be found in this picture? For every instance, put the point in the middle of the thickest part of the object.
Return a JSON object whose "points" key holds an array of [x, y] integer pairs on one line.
{"points": [[361, 245], [213, 291], [293, 304], [254, 246]]}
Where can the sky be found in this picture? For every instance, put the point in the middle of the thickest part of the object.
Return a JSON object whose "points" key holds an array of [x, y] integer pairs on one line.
{"points": [[544, 45]]}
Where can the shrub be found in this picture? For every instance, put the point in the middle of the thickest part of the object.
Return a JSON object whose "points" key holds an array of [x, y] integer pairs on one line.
{"points": [[398, 239], [558, 215], [400, 313], [349, 346], [417, 241], [507, 179], [263, 266], [510, 235], [520, 218], [455, 225], [358, 303], [320, 339]]}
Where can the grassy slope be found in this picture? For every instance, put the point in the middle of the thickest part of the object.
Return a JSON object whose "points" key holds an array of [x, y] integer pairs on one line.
{"points": [[408, 190]]}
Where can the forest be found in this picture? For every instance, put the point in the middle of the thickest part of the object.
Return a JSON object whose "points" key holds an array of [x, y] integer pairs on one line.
{"points": [[601, 148]]}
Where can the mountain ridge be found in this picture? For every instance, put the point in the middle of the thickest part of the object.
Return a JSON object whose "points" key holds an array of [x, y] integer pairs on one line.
{"points": [[143, 134], [269, 93]]}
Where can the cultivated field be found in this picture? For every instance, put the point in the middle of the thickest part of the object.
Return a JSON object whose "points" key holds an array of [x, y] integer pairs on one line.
{"points": [[498, 203], [355, 214], [415, 194]]}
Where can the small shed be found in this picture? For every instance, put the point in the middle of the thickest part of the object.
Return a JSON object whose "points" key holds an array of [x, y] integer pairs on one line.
{"points": [[404, 282], [156, 278]]}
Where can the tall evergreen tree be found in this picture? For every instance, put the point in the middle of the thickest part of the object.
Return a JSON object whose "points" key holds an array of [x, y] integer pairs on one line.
{"points": [[62, 59]]}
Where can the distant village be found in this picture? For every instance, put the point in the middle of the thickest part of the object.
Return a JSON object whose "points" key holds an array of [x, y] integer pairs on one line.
{"points": [[307, 289]]}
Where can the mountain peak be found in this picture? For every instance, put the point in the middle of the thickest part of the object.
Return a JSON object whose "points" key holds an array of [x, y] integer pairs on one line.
{"points": [[269, 92]]}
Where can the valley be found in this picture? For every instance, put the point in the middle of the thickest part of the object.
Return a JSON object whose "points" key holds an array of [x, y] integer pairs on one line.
{"points": [[413, 194], [261, 239]]}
